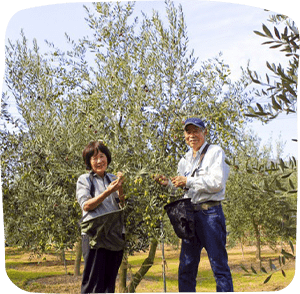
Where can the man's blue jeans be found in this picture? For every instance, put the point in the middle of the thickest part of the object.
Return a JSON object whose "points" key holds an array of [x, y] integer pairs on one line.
{"points": [[211, 235]]}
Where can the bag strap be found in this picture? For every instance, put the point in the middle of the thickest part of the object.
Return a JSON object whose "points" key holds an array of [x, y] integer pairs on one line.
{"points": [[201, 157], [200, 160], [91, 177], [92, 191]]}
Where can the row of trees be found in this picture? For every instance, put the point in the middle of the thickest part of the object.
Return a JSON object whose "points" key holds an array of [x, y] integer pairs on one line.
{"points": [[270, 187], [131, 84], [261, 201]]}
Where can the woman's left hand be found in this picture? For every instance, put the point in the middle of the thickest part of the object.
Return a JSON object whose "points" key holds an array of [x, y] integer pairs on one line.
{"points": [[121, 177]]}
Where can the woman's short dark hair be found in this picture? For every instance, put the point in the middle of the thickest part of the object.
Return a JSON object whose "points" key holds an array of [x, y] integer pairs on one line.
{"points": [[92, 149]]}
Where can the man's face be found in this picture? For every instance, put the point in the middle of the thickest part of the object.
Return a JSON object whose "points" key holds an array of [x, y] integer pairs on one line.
{"points": [[194, 136]]}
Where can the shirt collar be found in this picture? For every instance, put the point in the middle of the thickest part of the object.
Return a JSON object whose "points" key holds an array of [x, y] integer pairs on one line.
{"points": [[189, 155], [201, 148]]}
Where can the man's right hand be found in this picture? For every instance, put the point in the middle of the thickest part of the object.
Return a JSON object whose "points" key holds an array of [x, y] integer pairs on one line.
{"points": [[161, 179]]}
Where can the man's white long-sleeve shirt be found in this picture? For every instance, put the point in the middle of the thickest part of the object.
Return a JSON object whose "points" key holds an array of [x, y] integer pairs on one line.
{"points": [[209, 180]]}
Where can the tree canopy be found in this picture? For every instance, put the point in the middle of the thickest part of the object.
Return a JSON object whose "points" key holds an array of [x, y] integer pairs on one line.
{"points": [[129, 85], [281, 87]]}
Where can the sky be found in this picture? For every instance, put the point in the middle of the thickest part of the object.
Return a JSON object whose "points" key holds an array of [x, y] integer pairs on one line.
{"points": [[213, 27]]}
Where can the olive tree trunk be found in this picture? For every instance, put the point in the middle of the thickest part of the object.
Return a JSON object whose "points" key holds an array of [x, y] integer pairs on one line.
{"points": [[123, 275], [148, 262]]}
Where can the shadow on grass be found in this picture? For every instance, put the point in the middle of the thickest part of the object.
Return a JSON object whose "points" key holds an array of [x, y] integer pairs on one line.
{"points": [[22, 278]]}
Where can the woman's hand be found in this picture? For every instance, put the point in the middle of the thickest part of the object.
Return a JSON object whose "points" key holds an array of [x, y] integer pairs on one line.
{"points": [[121, 177], [116, 185]]}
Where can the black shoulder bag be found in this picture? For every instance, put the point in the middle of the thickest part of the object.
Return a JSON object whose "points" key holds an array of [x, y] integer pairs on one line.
{"points": [[181, 212]]}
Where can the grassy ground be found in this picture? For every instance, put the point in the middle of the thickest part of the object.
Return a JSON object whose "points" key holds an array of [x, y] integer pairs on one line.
{"points": [[47, 274]]}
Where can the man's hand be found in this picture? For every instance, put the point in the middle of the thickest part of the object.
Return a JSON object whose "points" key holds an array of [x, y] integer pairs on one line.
{"points": [[179, 181], [161, 179]]}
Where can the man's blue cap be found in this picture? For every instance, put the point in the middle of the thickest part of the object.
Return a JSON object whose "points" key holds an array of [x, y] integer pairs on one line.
{"points": [[194, 121]]}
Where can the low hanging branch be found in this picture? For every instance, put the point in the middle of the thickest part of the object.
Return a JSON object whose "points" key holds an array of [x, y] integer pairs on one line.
{"points": [[282, 262]]}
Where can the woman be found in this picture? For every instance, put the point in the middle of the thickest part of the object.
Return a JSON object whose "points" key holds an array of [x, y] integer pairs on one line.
{"points": [[99, 195]]}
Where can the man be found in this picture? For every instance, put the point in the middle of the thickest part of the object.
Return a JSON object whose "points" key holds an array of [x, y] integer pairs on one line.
{"points": [[203, 179]]}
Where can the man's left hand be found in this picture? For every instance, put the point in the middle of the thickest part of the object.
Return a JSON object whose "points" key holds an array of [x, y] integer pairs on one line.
{"points": [[179, 181]]}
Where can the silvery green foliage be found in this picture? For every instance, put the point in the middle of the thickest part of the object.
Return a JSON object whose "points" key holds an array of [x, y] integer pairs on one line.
{"points": [[131, 83], [281, 86]]}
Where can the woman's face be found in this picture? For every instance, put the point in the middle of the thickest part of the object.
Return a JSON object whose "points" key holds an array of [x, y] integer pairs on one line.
{"points": [[99, 163]]}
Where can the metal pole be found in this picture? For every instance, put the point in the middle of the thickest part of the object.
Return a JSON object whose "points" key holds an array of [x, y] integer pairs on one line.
{"points": [[163, 255]]}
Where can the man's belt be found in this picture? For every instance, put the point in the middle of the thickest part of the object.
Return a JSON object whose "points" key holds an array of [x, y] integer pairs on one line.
{"points": [[205, 205]]}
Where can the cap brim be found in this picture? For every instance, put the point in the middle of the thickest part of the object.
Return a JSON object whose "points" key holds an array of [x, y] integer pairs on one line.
{"points": [[190, 123]]}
